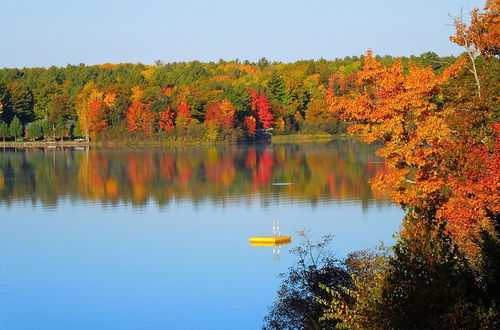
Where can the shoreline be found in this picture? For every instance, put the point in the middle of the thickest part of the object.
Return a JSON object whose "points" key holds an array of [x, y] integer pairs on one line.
{"points": [[308, 138], [277, 139]]}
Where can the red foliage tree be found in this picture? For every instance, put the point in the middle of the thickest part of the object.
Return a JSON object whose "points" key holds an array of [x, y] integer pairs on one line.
{"points": [[261, 108], [475, 190], [212, 111], [264, 111], [167, 120]]}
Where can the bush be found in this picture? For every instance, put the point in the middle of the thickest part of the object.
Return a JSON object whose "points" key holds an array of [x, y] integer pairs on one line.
{"points": [[34, 130], [77, 131], [297, 306], [47, 129], [425, 283]]}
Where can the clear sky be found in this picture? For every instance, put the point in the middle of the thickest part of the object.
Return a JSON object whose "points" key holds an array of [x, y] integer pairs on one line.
{"points": [[58, 32]]}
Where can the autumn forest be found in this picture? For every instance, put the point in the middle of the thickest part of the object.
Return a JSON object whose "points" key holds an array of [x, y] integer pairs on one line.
{"points": [[194, 101]]}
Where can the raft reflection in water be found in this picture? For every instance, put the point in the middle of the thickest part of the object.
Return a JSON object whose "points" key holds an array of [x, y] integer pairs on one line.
{"points": [[272, 241]]}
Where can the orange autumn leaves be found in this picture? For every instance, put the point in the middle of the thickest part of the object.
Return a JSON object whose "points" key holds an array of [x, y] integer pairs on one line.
{"points": [[139, 112], [93, 107], [140, 118], [483, 34], [431, 167], [222, 113], [475, 191]]}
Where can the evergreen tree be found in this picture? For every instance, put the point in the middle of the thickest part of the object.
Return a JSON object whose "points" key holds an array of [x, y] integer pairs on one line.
{"points": [[4, 101], [21, 102], [276, 87]]}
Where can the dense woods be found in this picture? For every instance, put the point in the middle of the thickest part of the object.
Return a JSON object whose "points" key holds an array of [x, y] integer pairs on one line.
{"points": [[223, 101]]}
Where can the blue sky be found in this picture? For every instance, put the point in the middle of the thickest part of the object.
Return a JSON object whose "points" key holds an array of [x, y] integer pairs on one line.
{"points": [[44, 33]]}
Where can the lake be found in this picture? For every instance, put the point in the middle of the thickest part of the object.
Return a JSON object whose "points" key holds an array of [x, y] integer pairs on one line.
{"points": [[157, 238]]}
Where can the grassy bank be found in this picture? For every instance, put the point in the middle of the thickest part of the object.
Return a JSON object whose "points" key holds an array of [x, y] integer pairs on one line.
{"points": [[277, 139], [145, 143], [306, 138]]}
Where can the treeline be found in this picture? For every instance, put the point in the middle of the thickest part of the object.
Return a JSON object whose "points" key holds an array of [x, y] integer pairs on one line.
{"points": [[223, 101]]}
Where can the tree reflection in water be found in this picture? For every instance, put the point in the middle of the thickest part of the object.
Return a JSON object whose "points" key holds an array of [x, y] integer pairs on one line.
{"points": [[336, 171]]}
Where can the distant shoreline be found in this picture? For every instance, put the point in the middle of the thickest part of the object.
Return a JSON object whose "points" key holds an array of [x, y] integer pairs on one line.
{"points": [[37, 144], [277, 139]]}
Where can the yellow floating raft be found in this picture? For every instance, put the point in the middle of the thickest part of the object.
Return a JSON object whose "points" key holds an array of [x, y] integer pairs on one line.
{"points": [[270, 240]]}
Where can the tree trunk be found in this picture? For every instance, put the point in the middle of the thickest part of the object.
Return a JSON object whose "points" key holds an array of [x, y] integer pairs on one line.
{"points": [[474, 71], [472, 56]]}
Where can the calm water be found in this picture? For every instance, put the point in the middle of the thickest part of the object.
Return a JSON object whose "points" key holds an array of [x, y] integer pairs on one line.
{"points": [[158, 238]]}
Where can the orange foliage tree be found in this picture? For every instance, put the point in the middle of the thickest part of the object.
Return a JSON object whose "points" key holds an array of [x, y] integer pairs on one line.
{"points": [[483, 33], [250, 125], [482, 36], [97, 117], [93, 106], [222, 113], [432, 169], [140, 118]]}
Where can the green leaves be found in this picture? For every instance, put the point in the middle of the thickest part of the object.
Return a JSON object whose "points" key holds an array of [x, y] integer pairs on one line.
{"points": [[34, 131], [16, 128], [4, 130]]}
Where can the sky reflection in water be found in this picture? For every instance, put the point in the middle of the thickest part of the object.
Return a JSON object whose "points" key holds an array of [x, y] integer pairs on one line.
{"points": [[158, 238]]}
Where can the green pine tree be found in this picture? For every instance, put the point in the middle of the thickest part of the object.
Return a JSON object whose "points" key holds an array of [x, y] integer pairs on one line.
{"points": [[276, 87]]}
